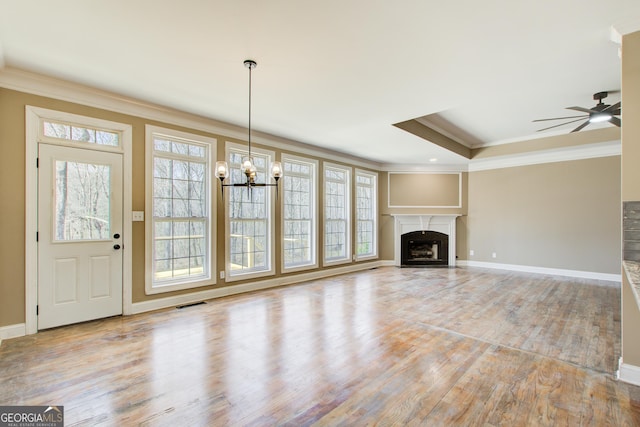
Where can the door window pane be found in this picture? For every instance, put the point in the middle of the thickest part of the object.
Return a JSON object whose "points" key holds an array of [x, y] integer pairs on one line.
{"points": [[82, 204]]}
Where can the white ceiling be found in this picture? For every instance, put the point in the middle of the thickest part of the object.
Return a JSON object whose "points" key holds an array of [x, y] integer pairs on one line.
{"points": [[335, 73]]}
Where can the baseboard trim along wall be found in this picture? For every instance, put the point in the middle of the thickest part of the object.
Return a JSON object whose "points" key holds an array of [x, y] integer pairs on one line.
{"points": [[544, 270], [12, 331], [156, 304], [629, 373], [19, 330]]}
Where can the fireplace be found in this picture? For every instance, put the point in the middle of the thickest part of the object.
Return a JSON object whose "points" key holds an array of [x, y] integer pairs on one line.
{"points": [[424, 248], [443, 224]]}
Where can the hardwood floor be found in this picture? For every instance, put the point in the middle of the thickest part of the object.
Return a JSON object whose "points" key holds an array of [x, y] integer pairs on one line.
{"points": [[435, 347]]}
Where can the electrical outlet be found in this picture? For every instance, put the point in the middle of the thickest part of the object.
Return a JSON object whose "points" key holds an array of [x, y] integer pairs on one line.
{"points": [[494, 255], [222, 274], [471, 252]]}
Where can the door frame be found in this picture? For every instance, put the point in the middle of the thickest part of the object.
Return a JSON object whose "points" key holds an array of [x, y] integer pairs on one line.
{"points": [[33, 136]]}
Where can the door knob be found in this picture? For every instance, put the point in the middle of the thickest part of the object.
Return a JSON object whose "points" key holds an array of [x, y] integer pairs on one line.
{"points": [[116, 246], [116, 236]]}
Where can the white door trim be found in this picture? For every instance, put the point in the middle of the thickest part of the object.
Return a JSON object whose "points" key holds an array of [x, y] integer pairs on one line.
{"points": [[33, 115]]}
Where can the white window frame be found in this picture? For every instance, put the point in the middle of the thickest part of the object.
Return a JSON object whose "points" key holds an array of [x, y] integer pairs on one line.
{"points": [[348, 216], [232, 275], [151, 287], [374, 213], [313, 200]]}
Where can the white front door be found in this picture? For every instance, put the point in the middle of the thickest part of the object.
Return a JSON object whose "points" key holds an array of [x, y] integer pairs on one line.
{"points": [[80, 223]]}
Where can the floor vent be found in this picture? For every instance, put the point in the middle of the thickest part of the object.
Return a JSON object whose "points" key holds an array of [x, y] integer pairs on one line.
{"points": [[190, 305]]}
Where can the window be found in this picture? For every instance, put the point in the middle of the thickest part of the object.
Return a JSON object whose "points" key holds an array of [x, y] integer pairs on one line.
{"points": [[70, 132], [250, 218], [299, 213], [337, 214], [366, 214], [82, 195], [179, 229]]}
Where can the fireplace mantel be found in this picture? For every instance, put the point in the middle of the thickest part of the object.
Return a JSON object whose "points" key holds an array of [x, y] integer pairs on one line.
{"points": [[406, 223]]}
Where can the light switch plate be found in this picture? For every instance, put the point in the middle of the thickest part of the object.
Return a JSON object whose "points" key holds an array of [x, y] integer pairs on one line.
{"points": [[138, 216]]}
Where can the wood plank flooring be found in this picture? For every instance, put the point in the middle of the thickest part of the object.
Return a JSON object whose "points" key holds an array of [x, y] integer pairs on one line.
{"points": [[390, 346]]}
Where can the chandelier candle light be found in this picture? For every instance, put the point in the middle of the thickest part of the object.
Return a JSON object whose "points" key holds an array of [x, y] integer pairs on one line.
{"points": [[248, 166]]}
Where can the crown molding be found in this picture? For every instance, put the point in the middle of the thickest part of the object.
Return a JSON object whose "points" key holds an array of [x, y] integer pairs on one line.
{"points": [[50, 87], [629, 25], [590, 151], [393, 167], [580, 152], [41, 85]]}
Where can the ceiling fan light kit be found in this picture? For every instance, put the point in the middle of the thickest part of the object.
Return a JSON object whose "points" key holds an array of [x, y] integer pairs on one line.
{"points": [[600, 113], [600, 117]]}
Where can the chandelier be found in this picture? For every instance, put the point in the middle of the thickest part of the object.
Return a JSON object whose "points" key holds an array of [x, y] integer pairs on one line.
{"points": [[248, 166]]}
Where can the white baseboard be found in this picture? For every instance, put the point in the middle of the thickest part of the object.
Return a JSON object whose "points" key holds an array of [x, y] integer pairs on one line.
{"points": [[544, 270], [156, 304], [629, 373], [12, 331], [19, 330]]}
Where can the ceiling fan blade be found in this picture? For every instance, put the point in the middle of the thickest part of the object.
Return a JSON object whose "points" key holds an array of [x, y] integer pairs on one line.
{"points": [[613, 107], [582, 126], [558, 118], [584, 110], [561, 124], [615, 121]]}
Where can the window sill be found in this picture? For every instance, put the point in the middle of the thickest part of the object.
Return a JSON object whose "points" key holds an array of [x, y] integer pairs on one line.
{"points": [[247, 276], [172, 287]]}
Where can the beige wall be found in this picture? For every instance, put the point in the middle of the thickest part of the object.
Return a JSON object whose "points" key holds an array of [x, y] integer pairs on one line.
{"points": [[563, 215], [12, 192], [630, 117], [412, 183], [630, 180], [11, 214], [12, 187], [424, 189], [482, 193]]}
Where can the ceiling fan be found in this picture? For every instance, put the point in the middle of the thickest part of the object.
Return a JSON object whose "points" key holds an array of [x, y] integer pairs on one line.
{"points": [[600, 113]]}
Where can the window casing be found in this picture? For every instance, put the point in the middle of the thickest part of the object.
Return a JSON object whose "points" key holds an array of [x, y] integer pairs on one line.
{"points": [[337, 214], [299, 225], [366, 215], [250, 218], [180, 211]]}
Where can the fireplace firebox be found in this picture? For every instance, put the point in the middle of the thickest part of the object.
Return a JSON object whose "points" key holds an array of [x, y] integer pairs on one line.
{"points": [[424, 248]]}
